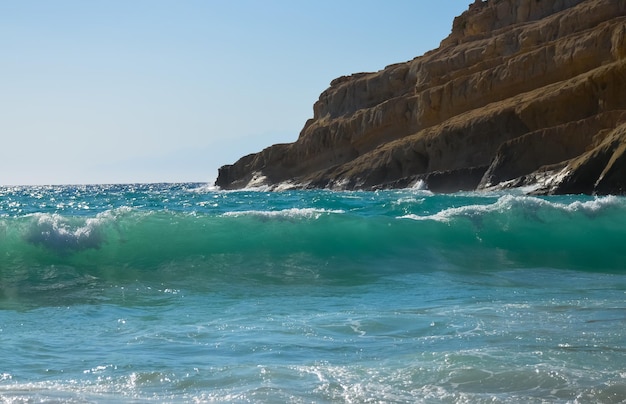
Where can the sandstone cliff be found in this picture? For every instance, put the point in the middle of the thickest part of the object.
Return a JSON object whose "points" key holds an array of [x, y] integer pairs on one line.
{"points": [[522, 93]]}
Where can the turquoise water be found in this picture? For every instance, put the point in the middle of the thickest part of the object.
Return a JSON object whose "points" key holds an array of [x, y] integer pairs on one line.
{"points": [[183, 293]]}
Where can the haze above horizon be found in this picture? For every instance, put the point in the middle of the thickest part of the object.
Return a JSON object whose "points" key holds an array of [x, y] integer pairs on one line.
{"points": [[157, 91]]}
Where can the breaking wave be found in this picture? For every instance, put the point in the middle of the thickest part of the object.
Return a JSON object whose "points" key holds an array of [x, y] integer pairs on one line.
{"points": [[512, 231]]}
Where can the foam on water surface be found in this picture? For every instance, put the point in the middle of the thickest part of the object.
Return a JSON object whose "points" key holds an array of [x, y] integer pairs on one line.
{"points": [[181, 292]]}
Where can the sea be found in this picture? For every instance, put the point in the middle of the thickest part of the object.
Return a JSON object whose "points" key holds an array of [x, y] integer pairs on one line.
{"points": [[186, 293]]}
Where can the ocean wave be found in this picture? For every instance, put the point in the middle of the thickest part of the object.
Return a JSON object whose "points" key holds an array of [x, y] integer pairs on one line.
{"points": [[62, 234], [67, 233], [203, 188], [523, 204], [308, 213], [298, 243], [435, 379]]}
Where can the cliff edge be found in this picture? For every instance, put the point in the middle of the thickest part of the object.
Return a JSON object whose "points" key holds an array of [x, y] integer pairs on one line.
{"points": [[521, 93]]}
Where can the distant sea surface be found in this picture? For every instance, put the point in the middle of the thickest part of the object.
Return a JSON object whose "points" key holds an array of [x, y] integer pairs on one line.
{"points": [[185, 293]]}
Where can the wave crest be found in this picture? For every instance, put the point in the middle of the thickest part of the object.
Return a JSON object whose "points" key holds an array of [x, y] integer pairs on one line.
{"points": [[523, 204], [63, 234], [307, 213]]}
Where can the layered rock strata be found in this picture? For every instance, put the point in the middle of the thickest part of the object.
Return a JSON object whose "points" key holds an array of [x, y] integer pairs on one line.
{"points": [[522, 93]]}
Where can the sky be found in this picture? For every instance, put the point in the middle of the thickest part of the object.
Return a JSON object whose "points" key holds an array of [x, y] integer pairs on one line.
{"points": [[137, 91]]}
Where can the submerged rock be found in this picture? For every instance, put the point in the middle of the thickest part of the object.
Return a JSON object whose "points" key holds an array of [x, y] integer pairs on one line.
{"points": [[521, 93]]}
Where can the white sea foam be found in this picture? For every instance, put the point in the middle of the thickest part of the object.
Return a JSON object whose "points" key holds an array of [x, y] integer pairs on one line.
{"points": [[419, 185], [595, 205], [517, 202], [340, 185], [59, 233], [309, 213], [258, 180], [284, 186], [408, 200], [260, 186], [448, 214], [204, 188], [63, 233]]}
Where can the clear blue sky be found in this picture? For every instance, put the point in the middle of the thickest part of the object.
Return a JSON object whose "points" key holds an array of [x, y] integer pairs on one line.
{"points": [[123, 91]]}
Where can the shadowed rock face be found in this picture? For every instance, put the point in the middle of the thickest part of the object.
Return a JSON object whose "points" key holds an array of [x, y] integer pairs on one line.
{"points": [[522, 93]]}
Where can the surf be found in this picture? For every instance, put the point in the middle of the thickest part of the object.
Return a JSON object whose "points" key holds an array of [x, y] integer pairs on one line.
{"points": [[508, 231], [175, 292]]}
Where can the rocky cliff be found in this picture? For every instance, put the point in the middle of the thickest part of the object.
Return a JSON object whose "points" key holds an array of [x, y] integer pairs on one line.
{"points": [[522, 93]]}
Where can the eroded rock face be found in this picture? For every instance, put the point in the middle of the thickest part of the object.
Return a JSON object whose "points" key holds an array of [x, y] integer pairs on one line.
{"points": [[522, 92]]}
